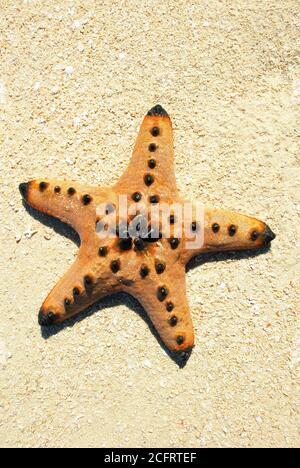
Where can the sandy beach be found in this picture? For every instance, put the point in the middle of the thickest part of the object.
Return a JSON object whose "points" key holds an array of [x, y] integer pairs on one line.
{"points": [[76, 79]]}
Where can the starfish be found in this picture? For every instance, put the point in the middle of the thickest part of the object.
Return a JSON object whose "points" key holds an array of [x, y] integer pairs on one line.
{"points": [[142, 262]]}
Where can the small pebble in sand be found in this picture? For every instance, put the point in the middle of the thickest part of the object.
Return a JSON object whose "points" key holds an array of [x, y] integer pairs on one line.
{"points": [[29, 233], [55, 90], [76, 121], [147, 364], [162, 382], [76, 24], [69, 70], [5, 355], [36, 86], [18, 237]]}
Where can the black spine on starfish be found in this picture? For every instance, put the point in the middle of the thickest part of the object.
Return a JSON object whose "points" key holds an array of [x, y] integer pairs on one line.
{"points": [[157, 111]]}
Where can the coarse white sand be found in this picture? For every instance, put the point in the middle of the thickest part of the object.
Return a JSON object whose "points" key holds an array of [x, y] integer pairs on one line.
{"points": [[76, 78]]}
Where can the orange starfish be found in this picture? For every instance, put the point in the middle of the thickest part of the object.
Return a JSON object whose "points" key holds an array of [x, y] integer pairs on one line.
{"points": [[147, 266]]}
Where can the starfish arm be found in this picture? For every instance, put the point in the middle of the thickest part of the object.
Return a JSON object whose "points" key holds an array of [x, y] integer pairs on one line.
{"points": [[88, 280], [72, 203], [226, 231], [151, 169], [164, 299]]}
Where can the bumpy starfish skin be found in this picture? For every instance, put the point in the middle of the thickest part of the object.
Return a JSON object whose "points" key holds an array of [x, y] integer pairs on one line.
{"points": [[152, 272]]}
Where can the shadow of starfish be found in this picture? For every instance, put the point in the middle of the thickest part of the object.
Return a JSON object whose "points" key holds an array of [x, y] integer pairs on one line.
{"points": [[222, 256], [111, 302], [54, 223]]}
